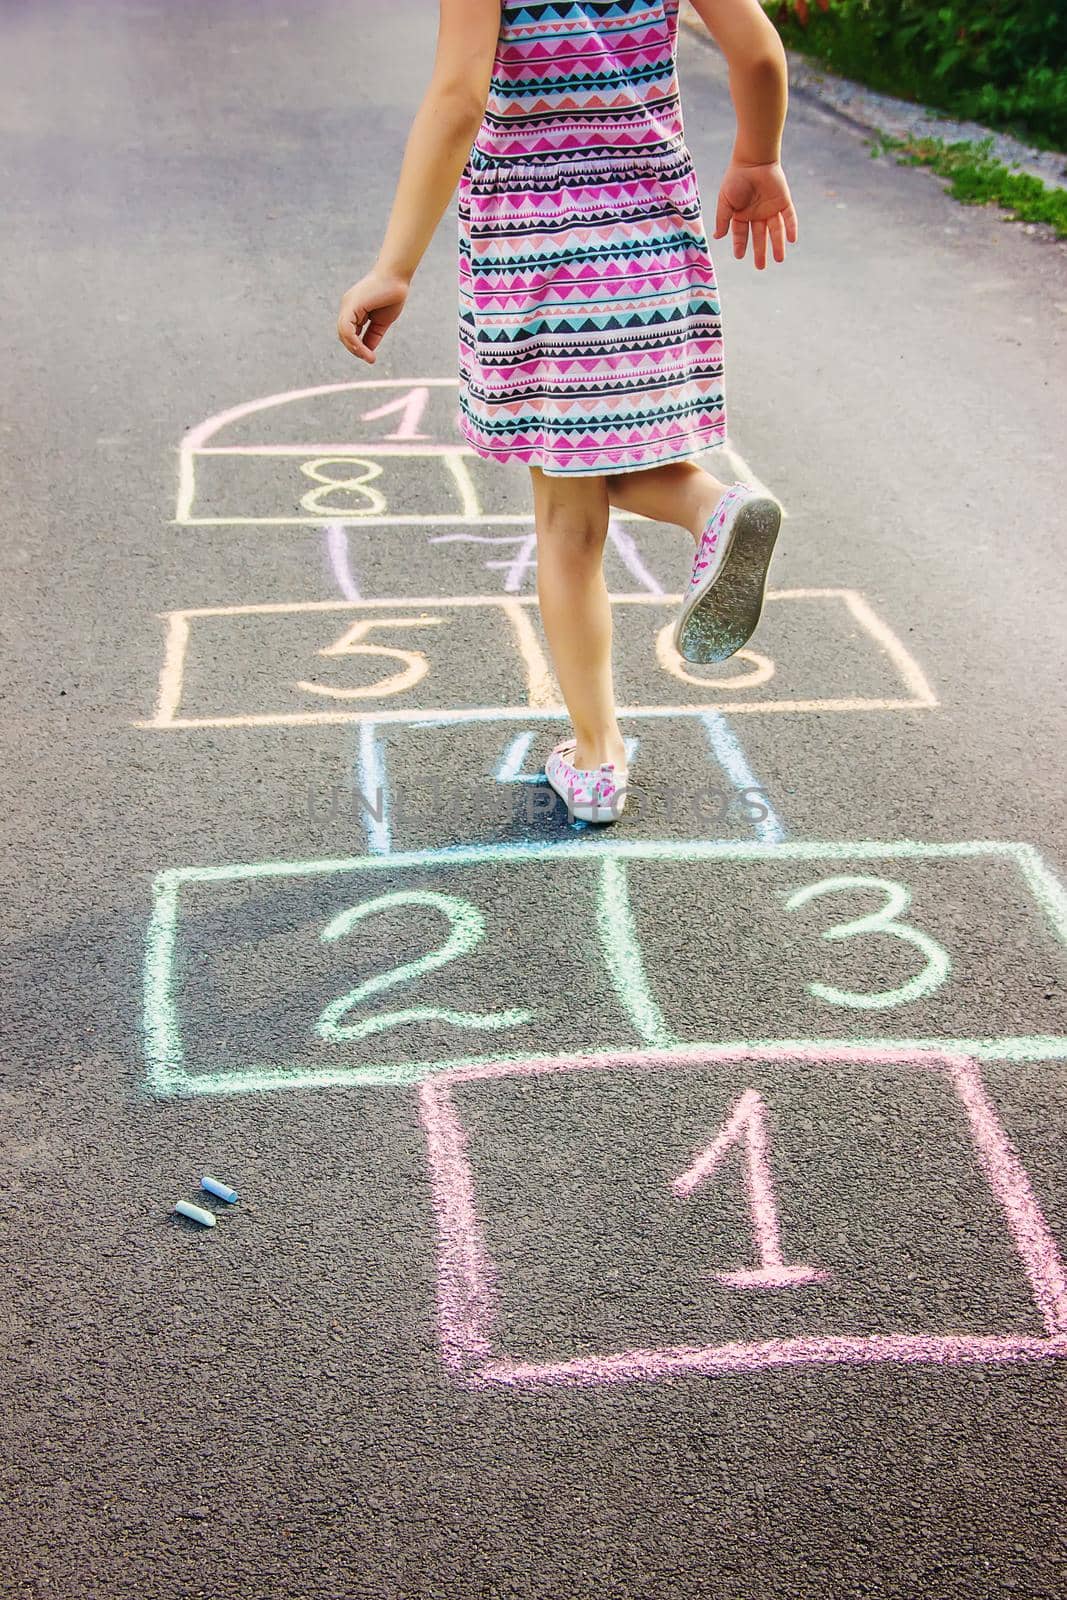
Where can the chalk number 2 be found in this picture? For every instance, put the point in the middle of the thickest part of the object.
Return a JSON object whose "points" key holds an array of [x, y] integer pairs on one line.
{"points": [[466, 930], [883, 921]]}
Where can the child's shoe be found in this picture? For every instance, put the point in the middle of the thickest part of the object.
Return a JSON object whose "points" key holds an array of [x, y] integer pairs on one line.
{"points": [[593, 794], [722, 605]]}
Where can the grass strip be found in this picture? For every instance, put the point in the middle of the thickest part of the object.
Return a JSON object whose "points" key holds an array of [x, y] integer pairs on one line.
{"points": [[977, 178]]}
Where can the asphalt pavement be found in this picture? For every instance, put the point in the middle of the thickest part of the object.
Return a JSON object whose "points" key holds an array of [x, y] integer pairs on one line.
{"points": [[670, 1209]]}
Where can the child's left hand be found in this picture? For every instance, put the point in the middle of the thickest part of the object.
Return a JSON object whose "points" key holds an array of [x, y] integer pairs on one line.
{"points": [[377, 299], [755, 198]]}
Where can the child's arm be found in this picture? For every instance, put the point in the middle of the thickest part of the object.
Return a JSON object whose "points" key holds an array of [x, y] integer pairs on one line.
{"points": [[754, 193], [437, 149]]}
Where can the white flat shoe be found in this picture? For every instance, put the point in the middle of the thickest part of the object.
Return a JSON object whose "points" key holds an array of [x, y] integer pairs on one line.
{"points": [[724, 600], [593, 794]]}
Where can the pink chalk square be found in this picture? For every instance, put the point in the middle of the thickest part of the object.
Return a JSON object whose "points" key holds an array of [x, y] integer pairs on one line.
{"points": [[468, 1279]]}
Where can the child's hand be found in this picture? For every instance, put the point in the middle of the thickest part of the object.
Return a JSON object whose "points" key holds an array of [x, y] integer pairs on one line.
{"points": [[756, 197], [378, 299]]}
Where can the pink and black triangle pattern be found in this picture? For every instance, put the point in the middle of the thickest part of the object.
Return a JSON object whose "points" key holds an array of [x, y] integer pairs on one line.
{"points": [[590, 333]]}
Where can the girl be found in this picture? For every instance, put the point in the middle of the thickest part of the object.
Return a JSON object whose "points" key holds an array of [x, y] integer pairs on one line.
{"points": [[590, 339]]}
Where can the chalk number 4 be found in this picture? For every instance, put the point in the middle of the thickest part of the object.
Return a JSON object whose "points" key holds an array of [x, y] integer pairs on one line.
{"points": [[883, 921]]}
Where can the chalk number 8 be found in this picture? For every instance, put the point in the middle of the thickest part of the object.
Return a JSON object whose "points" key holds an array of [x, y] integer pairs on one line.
{"points": [[884, 920], [368, 502]]}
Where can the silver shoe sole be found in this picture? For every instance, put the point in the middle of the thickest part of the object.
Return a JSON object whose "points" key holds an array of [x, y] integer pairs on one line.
{"points": [[716, 622]]}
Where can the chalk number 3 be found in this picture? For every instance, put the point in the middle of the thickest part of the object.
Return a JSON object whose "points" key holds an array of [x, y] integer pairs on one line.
{"points": [[884, 920]]}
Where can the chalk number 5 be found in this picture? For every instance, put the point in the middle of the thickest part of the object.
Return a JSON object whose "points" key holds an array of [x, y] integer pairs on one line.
{"points": [[353, 643], [884, 920]]}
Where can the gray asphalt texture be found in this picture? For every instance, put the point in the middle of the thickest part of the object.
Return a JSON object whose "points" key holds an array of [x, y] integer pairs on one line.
{"points": [[265, 1409]]}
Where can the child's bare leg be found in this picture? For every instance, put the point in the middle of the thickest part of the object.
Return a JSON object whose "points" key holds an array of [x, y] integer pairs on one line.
{"points": [[682, 492], [571, 517]]}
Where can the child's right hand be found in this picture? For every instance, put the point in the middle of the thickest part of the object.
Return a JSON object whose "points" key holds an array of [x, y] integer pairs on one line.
{"points": [[368, 311], [756, 198]]}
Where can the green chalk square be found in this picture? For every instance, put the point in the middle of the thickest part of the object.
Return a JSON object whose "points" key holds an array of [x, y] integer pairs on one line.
{"points": [[641, 1018]]}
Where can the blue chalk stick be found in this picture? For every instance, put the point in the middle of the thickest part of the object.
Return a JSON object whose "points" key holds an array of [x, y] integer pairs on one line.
{"points": [[213, 1186]]}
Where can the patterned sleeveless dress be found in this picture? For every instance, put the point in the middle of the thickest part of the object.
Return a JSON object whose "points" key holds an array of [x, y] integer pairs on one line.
{"points": [[590, 334]]}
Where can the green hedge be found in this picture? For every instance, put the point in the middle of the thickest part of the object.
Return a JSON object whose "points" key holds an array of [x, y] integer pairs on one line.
{"points": [[1003, 63]]}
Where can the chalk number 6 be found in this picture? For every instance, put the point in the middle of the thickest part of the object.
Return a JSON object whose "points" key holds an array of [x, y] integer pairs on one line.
{"points": [[884, 920]]}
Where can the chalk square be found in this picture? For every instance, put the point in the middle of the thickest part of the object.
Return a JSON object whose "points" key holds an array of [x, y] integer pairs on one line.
{"points": [[467, 1278]]}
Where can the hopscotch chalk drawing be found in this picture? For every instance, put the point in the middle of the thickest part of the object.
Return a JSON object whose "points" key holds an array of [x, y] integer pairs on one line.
{"points": [[413, 967]]}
